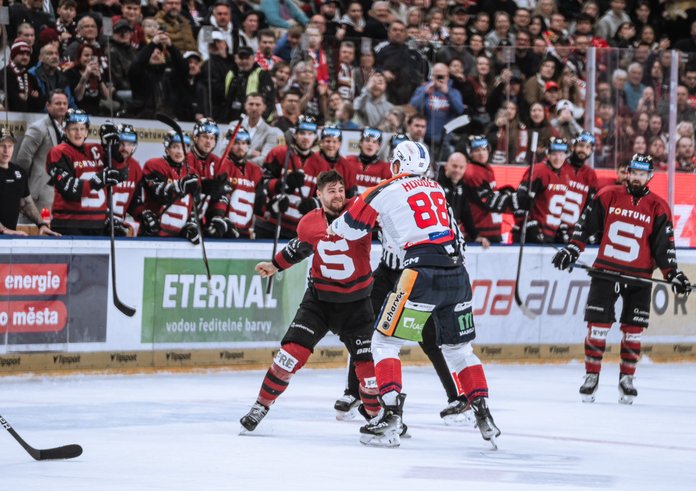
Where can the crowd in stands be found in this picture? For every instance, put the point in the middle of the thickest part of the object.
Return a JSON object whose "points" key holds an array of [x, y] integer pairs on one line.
{"points": [[394, 67]]}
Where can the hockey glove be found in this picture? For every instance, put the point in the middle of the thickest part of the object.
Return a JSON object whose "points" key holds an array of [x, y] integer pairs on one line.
{"points": [[120, 228], [562, 234], [217, 227], [307, 205], [566, 256], [149, 223], [190, 232], [189, 185], [294, 181], [534, 234], [680, 282], [107, 177], [108, 134], [216, 187], [280, 204]]}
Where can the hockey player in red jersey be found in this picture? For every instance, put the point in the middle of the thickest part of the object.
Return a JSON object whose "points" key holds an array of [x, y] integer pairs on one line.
{"points": [[245, 180], [337, 300], [77, 172], [171, 188], [548, 187], [369, 169], [412, 212], [284, 191], [327, 158], [487, 203], [636, 235]]}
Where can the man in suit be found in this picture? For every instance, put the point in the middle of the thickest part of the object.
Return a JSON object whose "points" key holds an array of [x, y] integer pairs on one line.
{"points": [[263, 136], [39, 138]]}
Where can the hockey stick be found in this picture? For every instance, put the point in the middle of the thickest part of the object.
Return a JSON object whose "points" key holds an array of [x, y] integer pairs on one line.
{"points": [[523, 234], [125, 309], [65, 452], [228, 148], [455, 124], [163, 118], [616, 276], [281, 191]]}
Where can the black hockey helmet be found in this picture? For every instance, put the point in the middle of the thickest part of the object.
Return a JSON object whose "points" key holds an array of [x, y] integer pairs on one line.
{"points": [[557, 144], [76, 116], [173, 137], [6, 134], [373, 133], [208, 126], [641, 161], [331, 132], [242, 135], [476, 141], [585, 136], [396, 139], [127, 133], [306, 123]]}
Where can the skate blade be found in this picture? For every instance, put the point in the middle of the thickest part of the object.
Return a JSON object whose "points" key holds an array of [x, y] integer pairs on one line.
{"points": [[494, 442], [381, 441], [462, 419], [243, 430], [588, 398], [346, 415], [625, 399]]}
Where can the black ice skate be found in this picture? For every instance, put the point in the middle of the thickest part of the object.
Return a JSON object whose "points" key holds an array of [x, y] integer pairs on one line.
{"points": [[368, 418], [589, 387], [252, 419], [346, 407], [626, 390], [384, 429], [484, 421], [457, 413]]}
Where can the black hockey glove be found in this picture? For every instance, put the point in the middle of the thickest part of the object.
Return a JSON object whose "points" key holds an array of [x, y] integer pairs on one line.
{"points": [[534, 234], [189, 185], [294, 181], [220, 227], [307, 205], [566, 256], [562, 234], [280, 204], [120, 228], [680, 282], [107, 177], [108, 134], [190, 232], [149, 223], [216, 187]]}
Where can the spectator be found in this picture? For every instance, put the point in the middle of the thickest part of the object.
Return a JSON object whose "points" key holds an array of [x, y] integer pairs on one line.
{"points": [[281, 78], [658, 150], [329, 10], [214, 84], [352, 23], [365, 70], [39, 138], [688, 45], [314, 54], [658, 81], [686, 160], [482, 82], [685, 128], [288, 43], [564, 121], [247, 78], [282, 13], [30, 12], [87, 33], [536, 27], [545, 9], [439, 102], [156, 77], [524, 58], [122, 57], [612, 19], [416, 127], [639, 145], [86, 81], [535, 87], [371, 106], [551, 97], [132, 13], [481, 25], [176, 25], [264, 56], [501, 31], [684, 111], [66, 25], [633, 88], [46, 76], [263, 136], [290, 107], [195, 11], [314, 99], [655, 127], [456, 49], [378, 22], [248, 34], [476, 47], [20, 94], [193, 93], [404, 68], [345, 77], [624, 36], [393, 121], [220, 20], [538, 122], [508, 136], [150, 29], [344, 117], [521, 20]]}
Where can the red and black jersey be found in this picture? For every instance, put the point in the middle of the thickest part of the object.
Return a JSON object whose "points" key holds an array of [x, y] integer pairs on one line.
{"points": [[75, 203], [163, 198], [549, 187], [637, 233], [582, 187], [206, 168], [317, 163], [487, 204], [273, 172], [244, 179], [367, 176], [129, 195], [341, 270]]}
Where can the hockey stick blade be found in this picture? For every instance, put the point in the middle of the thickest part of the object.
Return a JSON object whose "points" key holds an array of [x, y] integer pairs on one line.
{"points": [[58, 453], [526, 311]]}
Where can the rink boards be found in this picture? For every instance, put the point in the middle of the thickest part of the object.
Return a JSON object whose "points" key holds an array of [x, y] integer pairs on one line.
{"points": [[56, 311]]}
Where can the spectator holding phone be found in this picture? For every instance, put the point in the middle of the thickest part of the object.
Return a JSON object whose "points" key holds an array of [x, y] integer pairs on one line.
{"points": [[86, 81]]}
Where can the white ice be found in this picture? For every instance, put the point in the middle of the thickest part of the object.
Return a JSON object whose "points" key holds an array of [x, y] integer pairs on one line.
{"points": [[174, 431]]}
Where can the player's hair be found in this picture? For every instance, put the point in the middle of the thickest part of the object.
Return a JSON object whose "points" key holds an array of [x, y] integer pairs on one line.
{"points": [[415, 116], [329, 177]]}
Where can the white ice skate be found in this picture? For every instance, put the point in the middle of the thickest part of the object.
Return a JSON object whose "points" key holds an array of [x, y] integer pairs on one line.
{"points": [[346, 407], [589, 387], [626, 390]]}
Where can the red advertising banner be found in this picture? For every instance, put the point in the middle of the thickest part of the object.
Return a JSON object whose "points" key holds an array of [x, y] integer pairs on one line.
{"points": [[33, 279], [684, 198]]}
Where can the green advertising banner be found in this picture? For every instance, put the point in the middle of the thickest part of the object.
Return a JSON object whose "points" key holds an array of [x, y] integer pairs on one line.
{"points": [[179, 308]]}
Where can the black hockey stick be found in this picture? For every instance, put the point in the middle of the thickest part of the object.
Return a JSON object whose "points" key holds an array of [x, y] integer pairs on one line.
{"points": [[523, 234], [281, 192], [64, 452], [125, 309], [620, 277], [163, 118]]}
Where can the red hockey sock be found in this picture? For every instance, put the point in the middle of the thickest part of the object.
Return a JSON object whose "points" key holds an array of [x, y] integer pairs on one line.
{"points": [[472, 381], [289, 359], [595, 344], [388, 372], [630, 348], [365, 371]]}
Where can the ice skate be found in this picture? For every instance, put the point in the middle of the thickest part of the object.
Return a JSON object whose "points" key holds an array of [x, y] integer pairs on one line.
{"points": [[484, 421], [404, 427], [384, 430], [346, 407], [252, 419], [626, 390], [589, 387], [457, 413]]}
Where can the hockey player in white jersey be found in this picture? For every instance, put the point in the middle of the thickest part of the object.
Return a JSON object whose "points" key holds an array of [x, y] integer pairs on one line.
{"points": [[413, 212]]}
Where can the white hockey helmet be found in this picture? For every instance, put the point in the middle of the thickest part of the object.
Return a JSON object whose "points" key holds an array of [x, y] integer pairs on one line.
{"points": [[413, 157]]}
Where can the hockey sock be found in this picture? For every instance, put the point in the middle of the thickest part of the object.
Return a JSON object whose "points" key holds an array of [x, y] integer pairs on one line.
{"points": [[289, 359], [466, 369], [473, 382], [365, 372], [388, 372], [595, 344], [630, 348], [353, 384], [447, 378]]}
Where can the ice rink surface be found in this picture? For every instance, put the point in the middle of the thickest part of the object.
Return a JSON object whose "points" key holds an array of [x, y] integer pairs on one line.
{"points": [[173, 431]]}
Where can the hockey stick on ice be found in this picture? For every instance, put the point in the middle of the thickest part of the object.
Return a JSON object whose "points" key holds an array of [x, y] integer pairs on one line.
{"points": [[523, 234], [64, 452], [125, 309], [163, 118], [616, 276]]}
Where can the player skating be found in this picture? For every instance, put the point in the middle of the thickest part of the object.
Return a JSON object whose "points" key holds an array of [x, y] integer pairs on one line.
{"points": [[636, 234], [336, 300], [413, 212]]}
